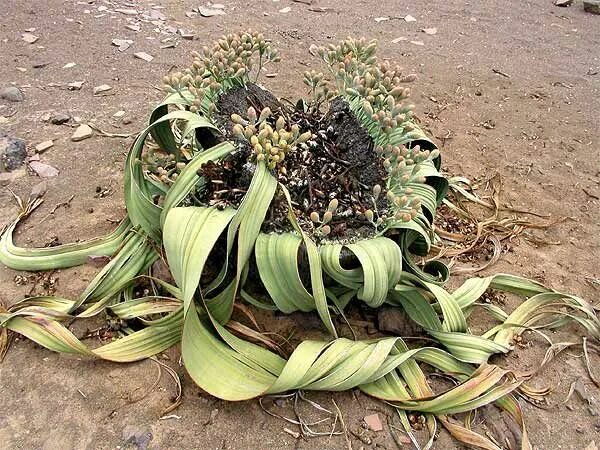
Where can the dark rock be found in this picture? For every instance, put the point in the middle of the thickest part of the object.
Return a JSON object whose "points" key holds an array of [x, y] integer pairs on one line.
{"points": [[60, 118], [12, 153], [591, 6], [12, 94], [394, 320], [139, 437]]}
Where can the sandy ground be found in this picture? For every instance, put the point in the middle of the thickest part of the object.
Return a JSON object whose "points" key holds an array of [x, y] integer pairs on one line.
{"points": [[541, 133]]}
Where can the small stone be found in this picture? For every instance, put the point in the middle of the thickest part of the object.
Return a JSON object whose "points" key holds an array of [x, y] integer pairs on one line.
{"points": [[417, 42], [591, 6], [210, 12], [186, 34], [119, 114], [102, 88], [82, 132], [59, 118], [69, 65], [399, 39], [409, 19], [43, 170], [75, 85], [123, 44], [396, 322], [39, 190], [29, 38], [143, 55], [381, 19], [43, 146], [102, 8], [8, 177], [374, 422], [133, 27], [12, 153], [126, 120], [127, 12], [591, 446], [285, 10], [137, 436], [563, 3], [12, 94], [429, 30], [22, 69]]}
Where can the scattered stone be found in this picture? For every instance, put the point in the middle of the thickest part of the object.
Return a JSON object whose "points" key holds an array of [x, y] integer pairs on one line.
{"points": [[563, 3], [143, 55], [98, 261], [127, 12], [69, 65], [123, 44], [43, 146], [43, 170], [409, 18], [429, 30], [210, 12], [29, 38], [374, 422], [137, 436], [82, 132], [75, 85], [396, 322], [8, 177], [417, 42], [59, 118], [39, 190], [591, 6], [102, 88], [133, 27], [30, 30], [12, 94], [381, 19], [399, 39], [12, 153], [592, 446], [22, 69], [119, 114], [186, 34], [102, 8], [126, 120], [285, 10], [191, 14], [161, 270]]}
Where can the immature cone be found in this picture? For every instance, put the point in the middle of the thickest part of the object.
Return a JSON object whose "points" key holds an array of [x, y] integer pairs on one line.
{"points": [[314, 216]]}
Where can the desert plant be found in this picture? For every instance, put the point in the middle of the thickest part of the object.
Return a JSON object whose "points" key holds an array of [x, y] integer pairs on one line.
{"points": [[188, 204]]}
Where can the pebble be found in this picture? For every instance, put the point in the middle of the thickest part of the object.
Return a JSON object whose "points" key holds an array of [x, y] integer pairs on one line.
{"points": [[395, 321], [12, 94], [563, 3], [43, 146], [127, 12], [102, 88], [123, 44], [75, 85], [82, 132], [12, 152], [126, 121], [143, 55], [29, 38], [409, 19], [59, 118], [69, 65], [119, 114], [43, 170], [137, 436], [210, 12], [591, 6], [285, 10]]}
